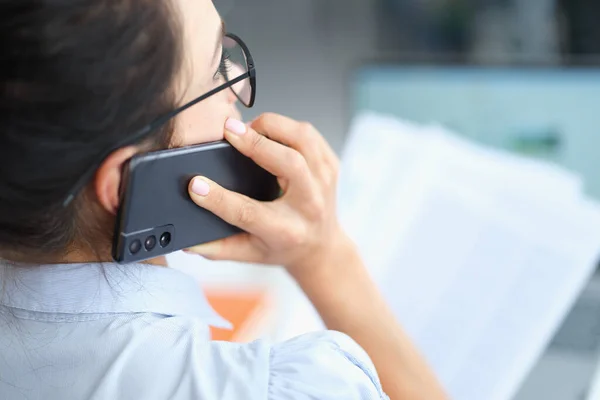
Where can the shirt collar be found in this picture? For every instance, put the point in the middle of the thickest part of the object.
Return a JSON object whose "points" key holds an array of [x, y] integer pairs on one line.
{"points": [[106, 288]]}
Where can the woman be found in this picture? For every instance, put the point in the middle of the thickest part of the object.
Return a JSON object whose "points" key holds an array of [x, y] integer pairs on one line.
{"points": [[77, 77]]}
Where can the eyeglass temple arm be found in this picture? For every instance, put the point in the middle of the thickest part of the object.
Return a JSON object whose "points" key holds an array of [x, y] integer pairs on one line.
{"points": [[155, 125]]}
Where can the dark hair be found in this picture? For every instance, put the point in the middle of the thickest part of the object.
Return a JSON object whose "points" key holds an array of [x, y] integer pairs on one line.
{"points": [[75, 77]]}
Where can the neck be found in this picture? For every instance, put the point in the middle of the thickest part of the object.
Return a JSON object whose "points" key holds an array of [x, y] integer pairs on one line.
{"points": [[73, 256], [81, 257]]}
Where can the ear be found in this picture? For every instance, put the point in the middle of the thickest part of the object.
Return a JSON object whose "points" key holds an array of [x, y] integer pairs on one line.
{"points": [[109, 176]]}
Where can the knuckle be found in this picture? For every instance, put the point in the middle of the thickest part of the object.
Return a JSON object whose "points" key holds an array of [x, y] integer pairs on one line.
{"points": [[256, 143], [331, 175], [335, 166], [306, 129], [296, 162], [295, 235], [316, 208], [218, 198], [306, 126], [247, 213]]}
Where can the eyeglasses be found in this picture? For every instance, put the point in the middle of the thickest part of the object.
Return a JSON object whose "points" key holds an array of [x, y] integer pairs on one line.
{"points": [[240, 76]]}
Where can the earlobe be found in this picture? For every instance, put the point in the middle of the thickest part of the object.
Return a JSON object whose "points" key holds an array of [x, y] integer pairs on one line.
{"points": [[109, 176]]}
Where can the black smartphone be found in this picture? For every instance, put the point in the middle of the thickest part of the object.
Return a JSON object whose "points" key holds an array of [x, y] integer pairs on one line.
{"points": [[156, 215]]}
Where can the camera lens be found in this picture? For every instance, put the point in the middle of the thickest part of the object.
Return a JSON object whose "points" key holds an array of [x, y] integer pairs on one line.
{"points": [[165, 239], [135, 246], [150, 243]]}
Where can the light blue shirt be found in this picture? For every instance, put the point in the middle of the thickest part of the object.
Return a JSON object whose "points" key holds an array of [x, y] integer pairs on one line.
{"points": [[142, 332]]}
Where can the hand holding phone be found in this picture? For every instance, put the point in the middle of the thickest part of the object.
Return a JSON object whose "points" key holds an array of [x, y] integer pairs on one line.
{"points": [[302, 224], [157, 216]]}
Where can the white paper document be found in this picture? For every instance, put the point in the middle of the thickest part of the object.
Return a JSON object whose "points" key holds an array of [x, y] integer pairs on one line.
{"points": [[480, 253]]}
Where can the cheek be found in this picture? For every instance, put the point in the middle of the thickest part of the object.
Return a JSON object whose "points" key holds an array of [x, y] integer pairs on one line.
{"points": [[200, 124]]}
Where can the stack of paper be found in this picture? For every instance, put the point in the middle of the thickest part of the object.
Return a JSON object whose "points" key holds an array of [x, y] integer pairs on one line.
{"points": [[479, 252]]}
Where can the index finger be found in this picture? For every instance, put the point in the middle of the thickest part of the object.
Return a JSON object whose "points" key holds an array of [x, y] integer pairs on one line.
{"points": [[281, 161], [300, 136]]}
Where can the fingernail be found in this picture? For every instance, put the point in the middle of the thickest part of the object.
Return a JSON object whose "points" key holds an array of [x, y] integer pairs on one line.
{"points": [[236, 126], [200, 187]]}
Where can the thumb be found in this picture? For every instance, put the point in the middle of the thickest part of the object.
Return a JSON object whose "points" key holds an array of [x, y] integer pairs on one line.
{"points": [[234, 248]]}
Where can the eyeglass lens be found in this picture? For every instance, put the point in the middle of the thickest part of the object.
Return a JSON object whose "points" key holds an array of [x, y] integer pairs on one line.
{"points": [[237, 66]]}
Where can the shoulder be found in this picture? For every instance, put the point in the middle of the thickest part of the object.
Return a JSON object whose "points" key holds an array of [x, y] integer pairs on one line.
{"points": [[322, 365], [325, 365]]}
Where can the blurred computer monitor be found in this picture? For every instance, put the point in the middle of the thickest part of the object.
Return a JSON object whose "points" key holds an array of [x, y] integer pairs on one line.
{"points": [[548, 112]]}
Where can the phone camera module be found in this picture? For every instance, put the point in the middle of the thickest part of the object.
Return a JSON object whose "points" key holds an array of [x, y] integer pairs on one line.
{"points": [[135, 247], [165, 239], [150, 243]]}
